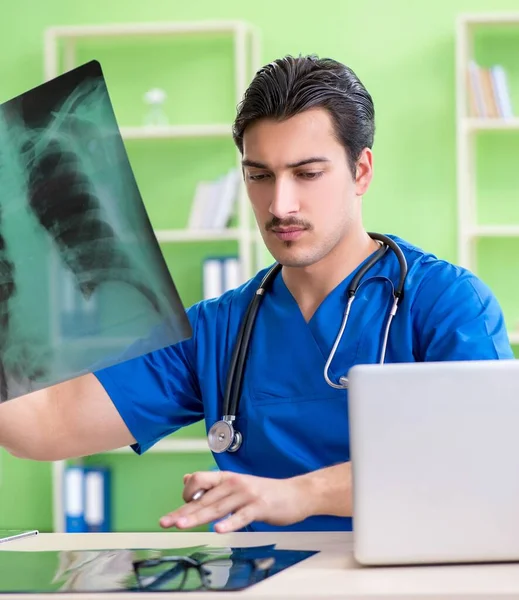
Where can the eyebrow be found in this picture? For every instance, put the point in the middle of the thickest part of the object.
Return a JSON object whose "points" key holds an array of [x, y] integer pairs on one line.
{"points": [[305, 161]]}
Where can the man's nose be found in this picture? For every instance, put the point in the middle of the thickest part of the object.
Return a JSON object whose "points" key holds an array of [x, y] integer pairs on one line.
{"points": [[284, 201]]}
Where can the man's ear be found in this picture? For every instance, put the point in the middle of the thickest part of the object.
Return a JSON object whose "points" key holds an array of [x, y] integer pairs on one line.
{"points": [[364, 171]]}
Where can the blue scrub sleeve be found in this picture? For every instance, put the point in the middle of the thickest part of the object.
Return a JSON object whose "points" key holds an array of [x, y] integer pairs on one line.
{"points": [[459, 318], [157, 393]]}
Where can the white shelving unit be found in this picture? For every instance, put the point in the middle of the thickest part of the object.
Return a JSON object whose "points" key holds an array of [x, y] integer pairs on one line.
{"points": [[247, 56], [467, 129]]}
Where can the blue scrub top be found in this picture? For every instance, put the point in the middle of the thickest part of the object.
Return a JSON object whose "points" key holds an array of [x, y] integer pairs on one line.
{"points": [[291, 420]]}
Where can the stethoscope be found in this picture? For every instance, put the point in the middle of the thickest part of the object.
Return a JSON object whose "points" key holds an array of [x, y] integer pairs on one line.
{"points": [[222, 435]]}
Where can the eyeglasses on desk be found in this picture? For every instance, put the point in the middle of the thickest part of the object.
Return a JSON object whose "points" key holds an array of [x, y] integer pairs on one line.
{"points": [[183, 573]]}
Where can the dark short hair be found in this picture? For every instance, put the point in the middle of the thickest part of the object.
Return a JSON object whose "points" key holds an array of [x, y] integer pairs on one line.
{"points": [[288, 86]]}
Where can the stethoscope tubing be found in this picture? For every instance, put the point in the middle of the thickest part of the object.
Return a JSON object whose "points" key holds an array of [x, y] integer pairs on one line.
{"points": [[223, 431]]}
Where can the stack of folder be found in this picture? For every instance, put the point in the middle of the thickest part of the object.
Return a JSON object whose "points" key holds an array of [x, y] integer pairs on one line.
{"points": [[87, 499]]}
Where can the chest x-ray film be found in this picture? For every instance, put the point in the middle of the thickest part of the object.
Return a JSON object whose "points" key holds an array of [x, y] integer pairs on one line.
{"points": [[83, 283]]}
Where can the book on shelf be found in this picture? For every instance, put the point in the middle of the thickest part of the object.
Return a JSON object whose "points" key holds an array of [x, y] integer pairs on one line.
{"points": [[214, 202], [488, 92]]}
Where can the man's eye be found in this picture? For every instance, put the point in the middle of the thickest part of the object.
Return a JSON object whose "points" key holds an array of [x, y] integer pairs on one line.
{"points": [[257, 176], [310, 174]]}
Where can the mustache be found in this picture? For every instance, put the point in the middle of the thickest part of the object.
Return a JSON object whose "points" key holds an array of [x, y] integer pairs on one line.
{"points": [[276, 222]]}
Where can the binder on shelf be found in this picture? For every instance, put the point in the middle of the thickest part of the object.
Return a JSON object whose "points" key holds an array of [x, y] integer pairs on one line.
{"points": [[500, 86], [220, 274], [97, 499], [202, 195], [488, 92], [225, 195], [212, 278], [214, 202], [74, 499], [231, 277]]}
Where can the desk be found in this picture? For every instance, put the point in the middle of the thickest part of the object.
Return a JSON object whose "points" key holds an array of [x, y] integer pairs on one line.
{"points": [[332, 573]]}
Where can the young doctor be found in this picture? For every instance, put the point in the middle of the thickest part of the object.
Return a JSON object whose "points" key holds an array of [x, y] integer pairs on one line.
{"points": [[305, 131]]}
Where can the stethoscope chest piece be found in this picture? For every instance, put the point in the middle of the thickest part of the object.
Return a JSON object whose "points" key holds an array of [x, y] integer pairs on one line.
{"points": [[222, 437]]}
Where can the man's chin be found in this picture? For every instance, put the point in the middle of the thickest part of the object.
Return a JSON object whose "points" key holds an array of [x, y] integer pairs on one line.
{"points": [[294, 259]]}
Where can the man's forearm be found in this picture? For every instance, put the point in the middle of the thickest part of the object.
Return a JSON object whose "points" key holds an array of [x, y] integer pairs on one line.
{"points": [[328, 490]]}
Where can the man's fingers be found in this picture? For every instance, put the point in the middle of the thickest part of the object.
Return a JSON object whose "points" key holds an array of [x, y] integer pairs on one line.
{"points": [[215, 511], [213, 495], [200, 481], [238, 520]]}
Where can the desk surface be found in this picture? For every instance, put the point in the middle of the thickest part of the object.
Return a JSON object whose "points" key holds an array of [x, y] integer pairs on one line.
{"points": [[332, 573]]}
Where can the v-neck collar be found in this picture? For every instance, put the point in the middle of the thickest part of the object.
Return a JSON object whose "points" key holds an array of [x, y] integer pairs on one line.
{"points": [[324, 324], [280, 288]]}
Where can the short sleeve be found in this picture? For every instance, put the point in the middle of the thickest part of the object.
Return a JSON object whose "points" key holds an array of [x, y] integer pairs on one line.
{"points": [[457, 317], [157, 393]]}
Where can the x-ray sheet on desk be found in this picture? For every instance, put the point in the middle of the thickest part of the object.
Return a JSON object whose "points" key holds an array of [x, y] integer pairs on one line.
{"points": [[83, 283], [143, 570]]}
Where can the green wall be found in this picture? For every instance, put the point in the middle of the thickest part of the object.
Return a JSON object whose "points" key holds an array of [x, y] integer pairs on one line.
{"points": [[404, 53]]}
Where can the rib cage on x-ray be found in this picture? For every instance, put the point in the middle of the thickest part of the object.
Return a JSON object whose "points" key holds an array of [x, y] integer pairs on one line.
{"points": [[60, 151], [65, 204]]}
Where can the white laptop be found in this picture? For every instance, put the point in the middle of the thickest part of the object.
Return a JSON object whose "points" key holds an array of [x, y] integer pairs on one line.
{"points": [[435, 460]]}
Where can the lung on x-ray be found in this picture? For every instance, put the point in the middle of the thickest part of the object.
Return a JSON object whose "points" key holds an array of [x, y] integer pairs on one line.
{"points": [[83, 283]]}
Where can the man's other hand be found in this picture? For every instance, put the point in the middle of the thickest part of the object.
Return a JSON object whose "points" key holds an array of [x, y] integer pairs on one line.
{"points": [[235, 500]]}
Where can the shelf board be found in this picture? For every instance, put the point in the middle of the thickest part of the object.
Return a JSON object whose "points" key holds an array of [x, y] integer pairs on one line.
{"points": [[503, 18], [144, 29], [166, 446], [196, 235], [170, 132], [495, 231], [491, 124]]}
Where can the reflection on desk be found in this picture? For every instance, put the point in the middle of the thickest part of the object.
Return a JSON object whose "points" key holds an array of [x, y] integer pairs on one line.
{"points": [[137, 570], [330, 573]]}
